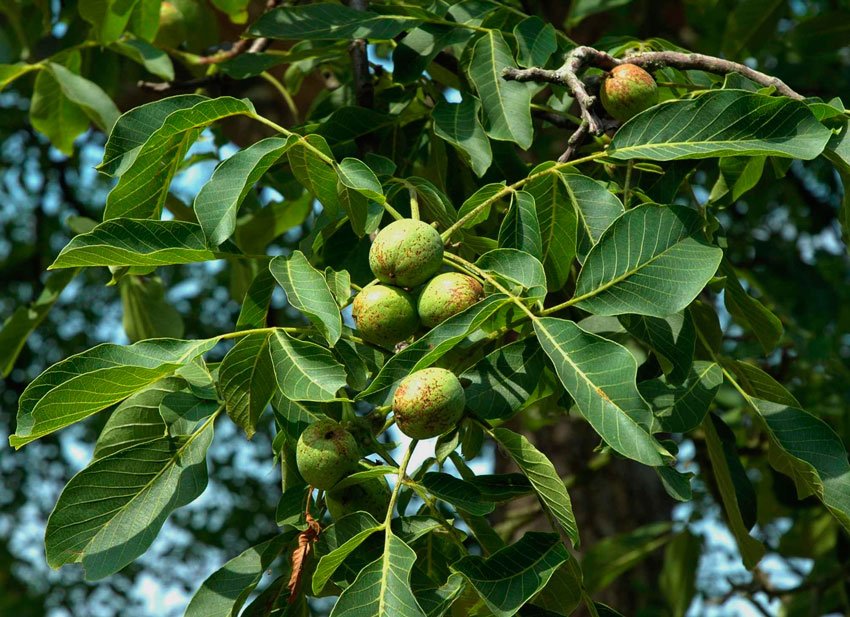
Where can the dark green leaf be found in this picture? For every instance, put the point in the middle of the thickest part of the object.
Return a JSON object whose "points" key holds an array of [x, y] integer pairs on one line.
{"points": [[512, 576], [459, 125], [722, 123], [541, 473], [219, 199], [507, 104], [609, 558], [85, 383], [651, 261], [600, 376], [460, 493], [521, 229], [536, 41], [305, 371], [247, 381], [136, 242], [681, 408], [307, 290], [326, 21]]}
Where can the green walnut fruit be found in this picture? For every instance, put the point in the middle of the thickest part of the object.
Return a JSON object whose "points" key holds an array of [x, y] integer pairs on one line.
{"points": [[428, 403], [384, 315], [446, 295], [372, 496], [627, 90], [406, 253], [326, 453]]}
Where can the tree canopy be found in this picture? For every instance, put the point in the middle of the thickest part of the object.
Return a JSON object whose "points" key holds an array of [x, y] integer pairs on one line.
{"points": [[643, 208]]}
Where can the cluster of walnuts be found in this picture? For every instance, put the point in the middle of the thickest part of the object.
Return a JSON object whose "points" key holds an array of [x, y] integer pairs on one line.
{"points": [[405, 257]]}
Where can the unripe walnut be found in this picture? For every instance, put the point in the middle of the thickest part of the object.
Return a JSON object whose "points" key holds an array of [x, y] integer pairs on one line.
{"points": [[428, 403], [446, 295], [627, 90], [326, 453], [384, 315], [372, 496], [406, 253]]}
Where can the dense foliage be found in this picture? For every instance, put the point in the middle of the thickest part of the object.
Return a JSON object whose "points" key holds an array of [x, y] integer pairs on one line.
{"points": [[627, 284]]}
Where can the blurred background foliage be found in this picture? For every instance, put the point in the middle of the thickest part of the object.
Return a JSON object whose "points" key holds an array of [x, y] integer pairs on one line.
{"points": [[784, 235]]}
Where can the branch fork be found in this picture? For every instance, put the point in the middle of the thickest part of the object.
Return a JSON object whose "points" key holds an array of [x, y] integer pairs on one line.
{"points": [[584, 57]]}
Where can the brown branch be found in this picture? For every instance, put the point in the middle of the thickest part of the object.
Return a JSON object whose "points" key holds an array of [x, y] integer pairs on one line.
{"points": [[364, 89], [165, 86], [583, 57], [251, 46]]}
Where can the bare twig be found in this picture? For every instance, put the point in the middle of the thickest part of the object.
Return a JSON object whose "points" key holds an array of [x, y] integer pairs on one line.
{"points": [[583, 57], [251, 46], [165, 86]]}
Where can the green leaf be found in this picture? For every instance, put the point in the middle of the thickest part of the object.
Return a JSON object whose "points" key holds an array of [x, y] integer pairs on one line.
{"points": [[459, 125], [340, 285], [255, 305], [543, 477], [436, 601], [802, 446], [749, 23], [326, 21], [722, 123], [305, 371], [247, 381], [557, 220], [11, 72], [143, 187], [54, 115], [520, 229], [136, 242], [581, 9], [596, 208], [678, 574], [738, 174], [535, 40], [681, 408], [357, 185], [87, 95], [484, 194], [87, 382], [307, 290], [462, 494], [651, 261], [154, 60], [382, 589], [134, 127], [600, 376], [112, 510], [436, 343], [612, 556], [146, 312], [355, 174], [501, 487], [507, 104], [23, 322], [137, 419], [676, 483], [315, 171], [749, 312], [420, 46], [350, 531], [219, 199], [502, 382], [672, 340], [735, 489], [108, 18], [511, 576], [227, 589], [516, 267]]}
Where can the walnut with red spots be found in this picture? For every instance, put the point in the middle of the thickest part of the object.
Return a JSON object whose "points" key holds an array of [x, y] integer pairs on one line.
{"points": [[406, 253], [428, 403], [326, 453], [446, 295], [384, 315], [627, 90]]}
